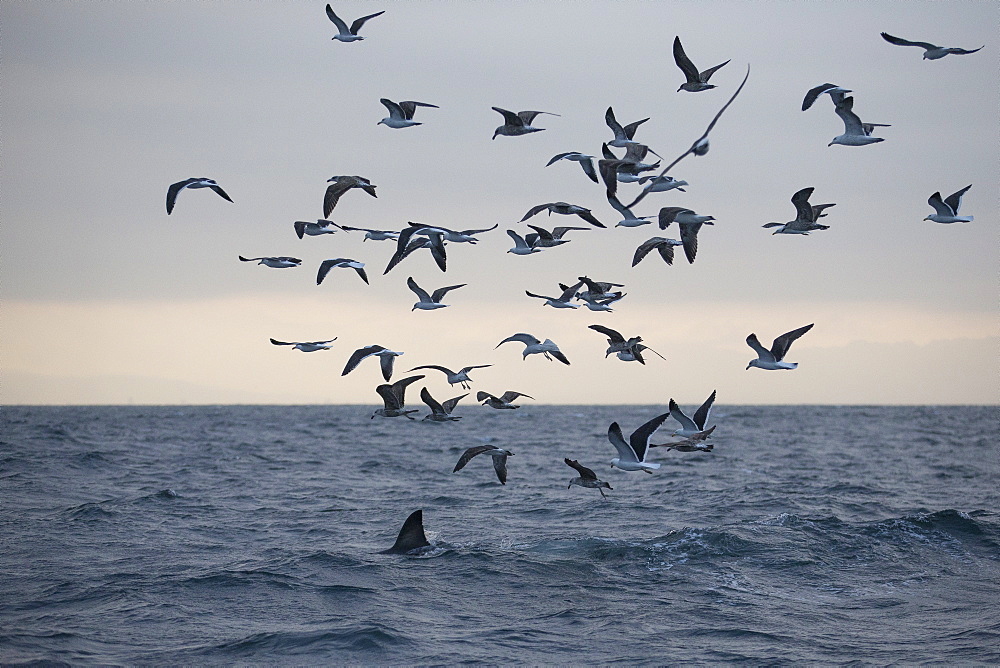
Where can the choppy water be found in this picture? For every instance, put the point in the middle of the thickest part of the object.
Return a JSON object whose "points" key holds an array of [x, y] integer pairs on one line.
{"points": [[250, 535]]}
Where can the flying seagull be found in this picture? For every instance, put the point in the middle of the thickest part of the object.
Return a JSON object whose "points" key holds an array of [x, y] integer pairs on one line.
{"points": [[278, 262], [623, 134], [694, 443], [566, 209], [947, 211], [456, 236], [392, 397], [836, 93], [696, 81], [586, 162], [305, 228], [518, 123], [499, 459], [411, 537], [629, 219], [521, 247], [429, 302], [931, 51], [401, 113], [502, 402], [342, 262], [771, 360], [340, 185], [805, 215], [856, 133], [440, 412], [193, 184], [406, 244], [459, 378], [563, 300], [543, 238], [532, 346], [386, 358], [664, 246], [345, 34], [587, 477], [373, 235], [689, 222], [632, 453], [691, 426], [627, 350], [306, 346]]}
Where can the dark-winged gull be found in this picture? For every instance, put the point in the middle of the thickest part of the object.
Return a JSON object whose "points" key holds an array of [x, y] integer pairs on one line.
{"points": [[305, 228], [632, 453], [345, 34], [340, 185], [691, 425], [771, 360], [454, 378], [586, 162], [278, 262], [696, 81], [429, 302], [517, 123], [406, 244], [598, 289], [835, 92], [931, 51], [805, 215], [499, 459], [392, 397], [386, 358], [856, 133], [543, 238], [343, 263], [664, 246], [565, 209], [193, 184], [306, 346], [689, 222], [503, 402], [587, 477], [401, 113], [627, 350], [563, 300], [532, 346], [440, 412], [946, 211], [623, 133]]}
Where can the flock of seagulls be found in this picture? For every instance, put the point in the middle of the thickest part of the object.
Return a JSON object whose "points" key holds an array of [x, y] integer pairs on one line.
{"points": [[638, 165]]}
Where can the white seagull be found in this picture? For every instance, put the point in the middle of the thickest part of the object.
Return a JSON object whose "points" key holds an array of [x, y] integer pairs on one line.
{"points": [[429, 302], [401, 113], [305, 228], [386, 358], [278, 262], [946, 211], [193, 184], [532, 346], [695, 425], [856, 133], [341, 262], [521, 247], [931, 51], [586, 162], [771, 360], [392, 397], [306, 346], [696, 81], [454, 378], [345, 34], [518, 123], [499, 459], [632, 453], [587, 477]]}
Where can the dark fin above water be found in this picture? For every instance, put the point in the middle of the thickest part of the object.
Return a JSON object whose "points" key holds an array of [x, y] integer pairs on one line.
{"points": [[411, 536]]}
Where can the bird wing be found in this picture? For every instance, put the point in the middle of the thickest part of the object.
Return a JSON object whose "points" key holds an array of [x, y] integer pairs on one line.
{"points": [[558, 232], [509, 117], [585, 473], [441, 292], [683, 62], [511, 395], [386, 362], [813, 94], [480, 231], [520, 337], [221, 193], [649, 244], [528, 116], [356, 26], [701, 415], [784, 342], [417, 290], [803, 211], [358, 355], [399, 387], [954, 200], [337, 21], [689, 237], [631, 128], [533, 210], [426, 397], [437, 250], [519, 241], [666, 251], [625, 451], [532, 294], [395, 111], [707, 74], [410, 106], [852, 123], [940, 207], [559, 356], [300, 227], [500, 466], [332, 196], [324, 269], [612, 122], [281, 343], [483, 396], [542, 232], [639, 439], [450, 404], [668, 213], [469, 454], [762, 352], [613, 336], [174, 189], [677, 414], [442, 369], [899, 41]]}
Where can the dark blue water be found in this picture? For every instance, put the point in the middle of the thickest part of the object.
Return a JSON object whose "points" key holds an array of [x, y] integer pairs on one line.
{"points": [[250, 535]]}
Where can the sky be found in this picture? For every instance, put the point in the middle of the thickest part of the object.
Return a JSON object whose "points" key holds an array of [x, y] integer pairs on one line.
{"points": [[107, 300]]}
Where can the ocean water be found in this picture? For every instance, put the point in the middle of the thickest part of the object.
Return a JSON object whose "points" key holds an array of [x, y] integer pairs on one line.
{"points": [[251, 535]]}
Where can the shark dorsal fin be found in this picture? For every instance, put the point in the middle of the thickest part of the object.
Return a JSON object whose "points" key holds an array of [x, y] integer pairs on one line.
{"points": [[411, 536]]}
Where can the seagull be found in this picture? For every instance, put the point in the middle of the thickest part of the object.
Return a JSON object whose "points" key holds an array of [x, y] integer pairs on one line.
{"points": [[664, 246], [587, 478], [542, 238], [661, 184], [303, 228], [373, 235], [203, 182], [856, 133], [279, 262], [689, 222], [392, 397], [696, 81], [836, 93], [327, 265], [345, 34], [695, 443], [440, 412], [629, 219], [401, 113], [532, 346], [460, 378], [463, 236], [519, 123], [563, 300], [598, 289], [566, 209], [805, 215], [521, 247], [947, 211], [626, 168], [931, 51], [429, 302], [632, 453], [499, 459], [307, 346], [405, 244], [771, 360], [627, 350], [623, 134], [502, 402], [340, 185], [695, 425], [386, 358], [586, 162], [598, 304]]}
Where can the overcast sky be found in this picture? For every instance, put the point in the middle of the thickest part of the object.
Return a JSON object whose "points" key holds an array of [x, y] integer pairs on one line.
{"points": [[106, 299]]}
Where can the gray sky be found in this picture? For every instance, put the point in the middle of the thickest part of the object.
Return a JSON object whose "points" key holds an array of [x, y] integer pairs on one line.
{"points": [[106, 299]]}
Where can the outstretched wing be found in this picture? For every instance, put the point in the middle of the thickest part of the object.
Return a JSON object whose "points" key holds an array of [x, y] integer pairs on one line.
{"points": [[585, 473], [899, 41], [613, 336], [441, 292], [683, 62], [784, 342], [701, 415], [677, 414], [418, 291], [955, 199], [356, 26], [639, 439], [500, 466], [511, 395], [469, 454], [337, 21], [450, 404], [762, 352], [803, 211]]}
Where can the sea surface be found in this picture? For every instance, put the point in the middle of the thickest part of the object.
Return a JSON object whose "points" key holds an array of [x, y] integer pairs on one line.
{"points": [[251, 535]]}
